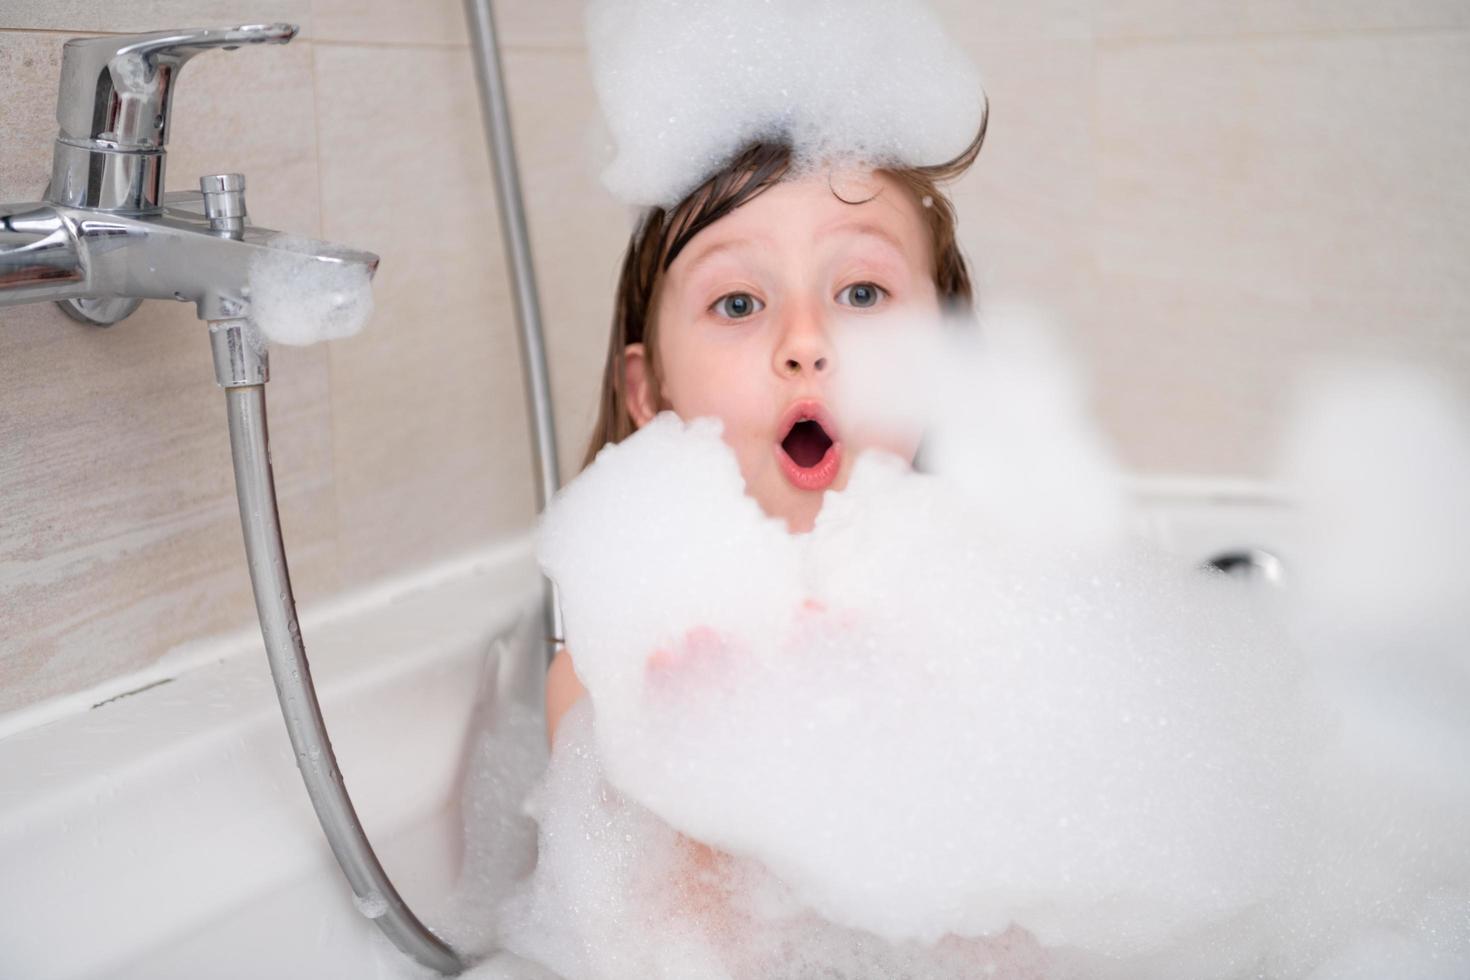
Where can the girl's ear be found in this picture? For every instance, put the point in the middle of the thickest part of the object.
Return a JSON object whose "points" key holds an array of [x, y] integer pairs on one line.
{"points": [[638, 384]]}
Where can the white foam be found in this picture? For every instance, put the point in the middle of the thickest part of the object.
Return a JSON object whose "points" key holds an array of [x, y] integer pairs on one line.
{"points": [[298, 301], [1366, 445], [684, 84], [620, 894], [1003, 414], [372, 905], [936, 715]]}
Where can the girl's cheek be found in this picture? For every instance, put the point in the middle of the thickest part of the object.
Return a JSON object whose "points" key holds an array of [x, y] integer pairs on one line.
{"points": [[901, 441]]}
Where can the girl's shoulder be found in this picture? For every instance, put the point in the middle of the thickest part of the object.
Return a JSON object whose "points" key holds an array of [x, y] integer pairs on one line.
{"points": [[563, 690]]}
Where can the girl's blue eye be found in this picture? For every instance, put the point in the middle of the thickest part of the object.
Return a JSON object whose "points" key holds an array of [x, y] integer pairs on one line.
{"points": [[862, 294], [738, 305]]}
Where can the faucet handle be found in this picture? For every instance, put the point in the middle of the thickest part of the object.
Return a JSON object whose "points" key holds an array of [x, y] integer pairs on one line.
{"points": [[113, 110], [119, 89]]}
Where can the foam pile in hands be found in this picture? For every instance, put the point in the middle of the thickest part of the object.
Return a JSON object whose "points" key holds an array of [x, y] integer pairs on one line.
{"points": [[684, 84], [967, 726]]}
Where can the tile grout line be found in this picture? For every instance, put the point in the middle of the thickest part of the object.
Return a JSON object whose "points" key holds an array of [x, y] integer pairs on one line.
{"points": [[522, 46], [1105, 39], [1300, 34]]}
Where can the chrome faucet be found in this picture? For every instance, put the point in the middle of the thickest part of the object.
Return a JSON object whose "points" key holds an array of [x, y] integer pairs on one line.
{"points": [[107, 237]]}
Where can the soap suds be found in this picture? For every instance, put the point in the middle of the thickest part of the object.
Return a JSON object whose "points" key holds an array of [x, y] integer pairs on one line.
{"points": [[300, 293], [684, 84], [957, 717]]}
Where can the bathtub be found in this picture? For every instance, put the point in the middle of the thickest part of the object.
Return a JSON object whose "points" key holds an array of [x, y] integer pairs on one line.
{"points": [[165, 833]]}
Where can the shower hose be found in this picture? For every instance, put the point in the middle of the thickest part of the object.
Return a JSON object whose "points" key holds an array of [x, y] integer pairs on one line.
{"points": [[241, 369]]}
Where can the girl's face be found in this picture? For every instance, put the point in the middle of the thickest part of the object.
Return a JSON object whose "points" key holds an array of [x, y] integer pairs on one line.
{"points": [[746, 319]]}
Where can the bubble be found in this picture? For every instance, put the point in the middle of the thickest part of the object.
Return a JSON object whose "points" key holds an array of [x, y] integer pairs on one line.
{"points": [[298, 301], [373, 905], [684, 85], [969, 726]]}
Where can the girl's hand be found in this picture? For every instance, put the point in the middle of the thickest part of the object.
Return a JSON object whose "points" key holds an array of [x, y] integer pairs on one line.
{"points": [[700, 656]]}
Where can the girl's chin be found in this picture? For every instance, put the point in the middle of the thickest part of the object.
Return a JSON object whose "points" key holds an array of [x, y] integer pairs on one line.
{"points": [[799, 512], [801, 525], [797, 507]]}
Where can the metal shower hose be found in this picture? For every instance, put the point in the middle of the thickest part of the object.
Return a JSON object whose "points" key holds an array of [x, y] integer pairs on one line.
{"points": [[270, 579]]}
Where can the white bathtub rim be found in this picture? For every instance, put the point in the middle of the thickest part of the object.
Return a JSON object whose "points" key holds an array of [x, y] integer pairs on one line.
{"points": [[154, 718], [514, 553]]}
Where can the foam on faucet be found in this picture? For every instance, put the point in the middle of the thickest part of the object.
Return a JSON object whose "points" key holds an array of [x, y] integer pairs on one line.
{"points": [[299, 301]]}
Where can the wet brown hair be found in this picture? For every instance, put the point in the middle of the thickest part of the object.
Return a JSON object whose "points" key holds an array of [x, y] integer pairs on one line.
{"points": [[662, 234]]}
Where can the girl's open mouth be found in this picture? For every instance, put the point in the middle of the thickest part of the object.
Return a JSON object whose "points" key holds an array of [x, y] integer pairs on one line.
{"points": [[809, 455]]}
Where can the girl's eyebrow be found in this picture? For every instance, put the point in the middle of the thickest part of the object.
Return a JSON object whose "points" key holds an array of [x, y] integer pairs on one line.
{"points": [[710, 252], [865, 228], [850, 228]]}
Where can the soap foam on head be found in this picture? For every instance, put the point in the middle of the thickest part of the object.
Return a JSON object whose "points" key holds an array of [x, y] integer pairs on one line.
{"points": [[685, 84], [299, 295], [941, 736]]}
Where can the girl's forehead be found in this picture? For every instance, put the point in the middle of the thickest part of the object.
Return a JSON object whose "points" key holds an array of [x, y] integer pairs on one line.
{"points": [[801, 212]]}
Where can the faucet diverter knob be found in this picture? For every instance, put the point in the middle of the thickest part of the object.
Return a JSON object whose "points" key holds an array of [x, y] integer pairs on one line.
{"points": [[113, 111], [224, 203]]}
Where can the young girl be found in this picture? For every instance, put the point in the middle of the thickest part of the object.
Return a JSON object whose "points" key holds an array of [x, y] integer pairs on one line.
{"points": [[726, 305]]}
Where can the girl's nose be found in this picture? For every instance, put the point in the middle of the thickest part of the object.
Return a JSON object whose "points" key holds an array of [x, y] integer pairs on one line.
{"points": [[804, 348]]}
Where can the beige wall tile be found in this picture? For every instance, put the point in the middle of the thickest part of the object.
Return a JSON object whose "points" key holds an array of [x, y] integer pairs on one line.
{"points": [[1317, 208], [534, 23], [141, 16], [251, 112], [119, 535], [578, 229], [1170, 18], [30, 65], [429, 418], [979, 23], [388, 22], [1027, 208], [541, 23]]}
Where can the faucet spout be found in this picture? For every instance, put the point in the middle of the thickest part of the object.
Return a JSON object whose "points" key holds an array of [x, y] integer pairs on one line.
{"points": [[62, 253]]}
